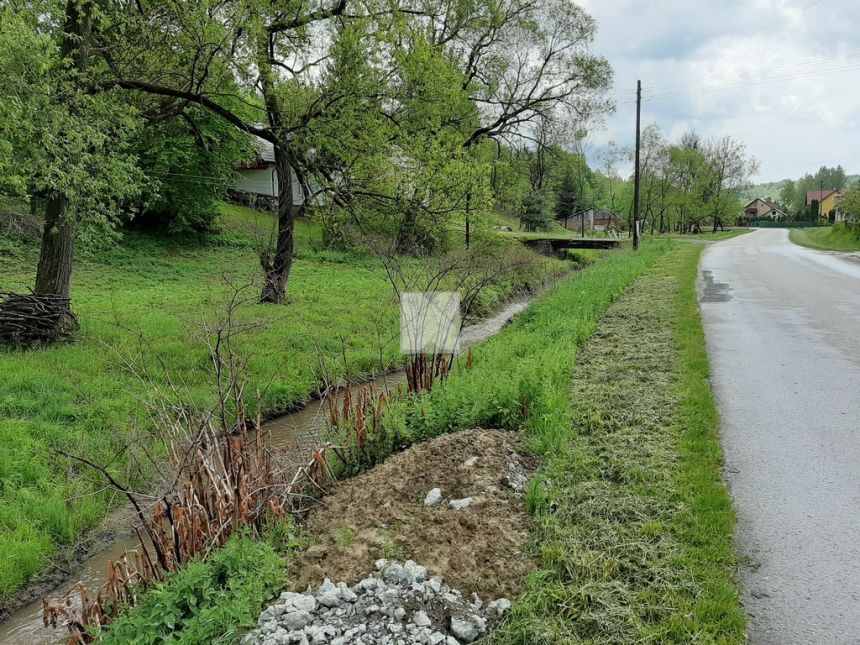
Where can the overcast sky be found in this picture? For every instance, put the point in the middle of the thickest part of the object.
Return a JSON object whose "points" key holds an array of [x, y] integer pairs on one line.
{"points": [[702, 65]]}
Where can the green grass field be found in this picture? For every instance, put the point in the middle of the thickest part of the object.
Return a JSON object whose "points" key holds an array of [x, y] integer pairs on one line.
{"points": [[520, 380], [826, 238], [83, 398]]}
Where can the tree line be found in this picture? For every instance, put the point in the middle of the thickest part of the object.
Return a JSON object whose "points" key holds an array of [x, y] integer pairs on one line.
{"points": [[388, 110]]}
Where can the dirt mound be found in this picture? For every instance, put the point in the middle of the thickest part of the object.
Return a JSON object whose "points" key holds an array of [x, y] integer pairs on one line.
{"points": [[382, 514]]}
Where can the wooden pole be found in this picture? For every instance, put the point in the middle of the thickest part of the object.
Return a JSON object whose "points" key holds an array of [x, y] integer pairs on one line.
{"points": [[637, 173]]}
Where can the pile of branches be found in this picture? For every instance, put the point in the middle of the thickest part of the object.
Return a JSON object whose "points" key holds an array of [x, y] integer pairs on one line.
{"points": [[22, 226], [32, 319]]}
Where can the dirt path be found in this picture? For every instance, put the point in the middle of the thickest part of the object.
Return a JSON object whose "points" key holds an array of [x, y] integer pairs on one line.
{"points": [[782, 325]]}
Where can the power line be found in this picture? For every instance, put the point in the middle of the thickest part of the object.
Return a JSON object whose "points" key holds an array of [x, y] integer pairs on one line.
{"points": [[751, 83], [821, 62], [783, 19], [699, 88]]}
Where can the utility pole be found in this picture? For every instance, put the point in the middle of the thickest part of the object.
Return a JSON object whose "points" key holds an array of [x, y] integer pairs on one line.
{"points": [[637, 174]]}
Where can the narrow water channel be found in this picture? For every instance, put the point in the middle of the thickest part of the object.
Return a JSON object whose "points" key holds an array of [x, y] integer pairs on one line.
{"points": [[302, 429]]}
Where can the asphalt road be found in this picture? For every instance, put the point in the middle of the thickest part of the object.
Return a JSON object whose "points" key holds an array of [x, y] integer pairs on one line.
{"points": [[783, 331]]}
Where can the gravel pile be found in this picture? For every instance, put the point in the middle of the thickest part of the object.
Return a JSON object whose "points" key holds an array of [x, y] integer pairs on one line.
{"points": [[398, 605]]}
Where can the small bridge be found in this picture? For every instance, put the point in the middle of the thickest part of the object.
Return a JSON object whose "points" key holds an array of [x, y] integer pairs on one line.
{"points": [[554, 246]]}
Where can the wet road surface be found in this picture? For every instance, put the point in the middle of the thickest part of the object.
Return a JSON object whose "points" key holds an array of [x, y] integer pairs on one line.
{"points": [[782, 324]]}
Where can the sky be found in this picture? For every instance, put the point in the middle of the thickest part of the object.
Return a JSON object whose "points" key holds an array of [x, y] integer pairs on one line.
{"points": [[782, 76]]}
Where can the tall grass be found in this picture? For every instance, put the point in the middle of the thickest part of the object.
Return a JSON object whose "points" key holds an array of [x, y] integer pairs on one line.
{"points": [[841, 236], [520, 378]]}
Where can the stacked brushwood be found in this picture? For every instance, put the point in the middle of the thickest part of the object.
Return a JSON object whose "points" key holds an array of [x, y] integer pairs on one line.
{"points": [[29, 319]]}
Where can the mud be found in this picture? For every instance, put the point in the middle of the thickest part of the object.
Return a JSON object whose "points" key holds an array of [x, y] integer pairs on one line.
{"points": [[381, 514]]}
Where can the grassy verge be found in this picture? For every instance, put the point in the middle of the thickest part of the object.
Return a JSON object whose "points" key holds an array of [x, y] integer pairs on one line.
{"points": [[81, 397], [205, 602], [826, 238], [633, 524], [519, 378]]}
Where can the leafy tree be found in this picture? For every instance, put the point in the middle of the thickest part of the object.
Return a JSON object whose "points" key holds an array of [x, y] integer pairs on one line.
{"points": [[70, 146], [536, 213], [790, 198], [190, 161], [850, 205]]}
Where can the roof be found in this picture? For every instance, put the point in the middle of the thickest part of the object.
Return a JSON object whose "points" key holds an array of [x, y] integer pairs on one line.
{"points": [[265, 150], [818, 196], [766, 202]]}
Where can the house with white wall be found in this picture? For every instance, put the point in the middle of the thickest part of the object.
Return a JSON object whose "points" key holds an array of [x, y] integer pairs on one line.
{"points": [[258, 177]]}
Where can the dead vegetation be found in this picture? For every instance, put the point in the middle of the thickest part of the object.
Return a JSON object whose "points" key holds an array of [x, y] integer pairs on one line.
{"points": [[32, 319], [221, 476]]}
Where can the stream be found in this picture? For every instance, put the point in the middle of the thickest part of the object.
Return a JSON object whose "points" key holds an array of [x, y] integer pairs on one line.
{"points": [[302, 429]]}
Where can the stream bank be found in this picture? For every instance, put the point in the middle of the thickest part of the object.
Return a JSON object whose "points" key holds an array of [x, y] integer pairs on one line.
{"points": [[302, 430]]}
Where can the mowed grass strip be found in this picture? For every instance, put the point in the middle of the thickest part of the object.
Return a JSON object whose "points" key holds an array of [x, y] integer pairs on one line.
{"points": [[633, 523]]}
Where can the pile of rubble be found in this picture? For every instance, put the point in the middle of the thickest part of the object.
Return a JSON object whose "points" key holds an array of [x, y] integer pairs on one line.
{"points": [[398, 605]]}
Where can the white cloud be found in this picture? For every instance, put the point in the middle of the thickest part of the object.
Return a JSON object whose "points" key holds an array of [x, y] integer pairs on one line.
{"points": [[780, 75]]}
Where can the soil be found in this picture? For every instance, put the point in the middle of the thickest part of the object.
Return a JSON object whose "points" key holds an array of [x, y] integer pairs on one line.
{"points": [[381, 514]]}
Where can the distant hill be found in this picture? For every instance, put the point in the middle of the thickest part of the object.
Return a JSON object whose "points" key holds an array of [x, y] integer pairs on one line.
{"points": [[771, 189]]}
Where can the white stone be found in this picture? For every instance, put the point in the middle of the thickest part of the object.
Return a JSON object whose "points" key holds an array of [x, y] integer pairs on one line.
{"points": [[467, 628], [459, 504], [434, 496], [471, 461], [501, 606], [421, 619], [381, 564], [295, 619]]}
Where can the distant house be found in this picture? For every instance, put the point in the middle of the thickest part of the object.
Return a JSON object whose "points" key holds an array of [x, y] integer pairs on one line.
{"points": [[596, 219], [764, 209], [828, 203], [258, 178]]}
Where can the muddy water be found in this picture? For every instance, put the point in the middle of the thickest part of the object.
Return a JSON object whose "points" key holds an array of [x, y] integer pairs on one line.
{"points": [[300, 430]]}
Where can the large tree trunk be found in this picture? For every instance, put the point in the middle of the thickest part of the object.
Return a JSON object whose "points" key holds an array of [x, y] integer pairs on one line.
{"points": [[278, 262], [54, 275]]}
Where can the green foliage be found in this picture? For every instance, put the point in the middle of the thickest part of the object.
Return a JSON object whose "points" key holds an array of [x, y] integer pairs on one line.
{"points": [[211, 601], [850, 204], [692, 184], [842, 236], [520, 377], [57, 137], [536, 213], [164, 287], [189, 162]]}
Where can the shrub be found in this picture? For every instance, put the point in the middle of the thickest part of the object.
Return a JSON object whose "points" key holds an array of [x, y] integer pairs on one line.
{"points": [[206, 602]]}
